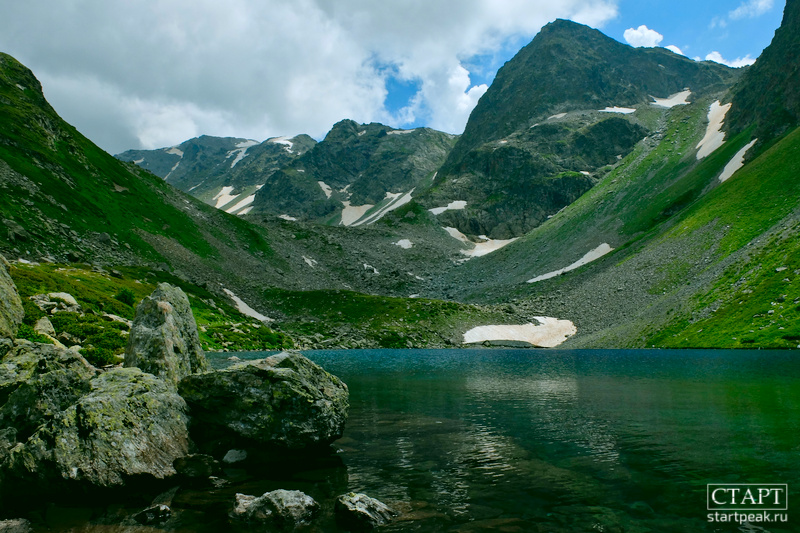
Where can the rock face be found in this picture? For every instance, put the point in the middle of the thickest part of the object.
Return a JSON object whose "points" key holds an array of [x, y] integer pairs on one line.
{"points": [[283, 510], [130, 424], [38, 381], [163, 340], [284, 401], [11, 312], [359, 512]]}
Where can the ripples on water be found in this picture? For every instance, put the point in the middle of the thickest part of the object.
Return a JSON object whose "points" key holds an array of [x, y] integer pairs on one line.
{"points": [[565, 440], [543, 441]]}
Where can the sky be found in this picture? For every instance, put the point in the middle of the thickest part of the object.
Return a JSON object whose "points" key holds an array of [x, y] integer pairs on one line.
{"points": [[133, 74]]}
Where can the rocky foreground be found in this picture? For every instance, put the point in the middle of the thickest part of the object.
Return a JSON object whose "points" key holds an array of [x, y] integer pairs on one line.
{"points": [[69, 428]]}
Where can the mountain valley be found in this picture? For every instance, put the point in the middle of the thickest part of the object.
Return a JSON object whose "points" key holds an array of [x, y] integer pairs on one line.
{"points": [[646, 198]]}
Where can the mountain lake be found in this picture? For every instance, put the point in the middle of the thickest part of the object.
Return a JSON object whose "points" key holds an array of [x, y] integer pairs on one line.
{"points": [[534, 441]]}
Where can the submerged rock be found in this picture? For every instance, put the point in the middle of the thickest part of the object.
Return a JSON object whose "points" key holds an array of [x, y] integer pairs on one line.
{"points": [[359, 512], [17, 525], [129, 424], [197, 466], [284, 401], [163, 340], [283, 510], [11, 311]]}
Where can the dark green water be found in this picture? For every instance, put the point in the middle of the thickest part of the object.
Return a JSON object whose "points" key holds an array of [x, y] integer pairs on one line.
{"points": [[547, 441]]}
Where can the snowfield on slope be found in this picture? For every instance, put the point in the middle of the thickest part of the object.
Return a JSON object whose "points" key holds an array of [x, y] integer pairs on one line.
{"points": [[246, 309], [549, 333], [714, 137], [593, 255]]}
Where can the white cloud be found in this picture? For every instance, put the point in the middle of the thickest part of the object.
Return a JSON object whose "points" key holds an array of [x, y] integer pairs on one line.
{"points": [[166, 71], [642, 36], [675, 49], [751, 9], [736, 63]]}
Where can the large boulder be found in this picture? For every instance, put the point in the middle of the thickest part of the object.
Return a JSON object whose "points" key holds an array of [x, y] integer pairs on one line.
{"points": [[284, 401], [37, 382], [279, 510], [163, 340], [130, 425], [27, 361], [11, 312]]}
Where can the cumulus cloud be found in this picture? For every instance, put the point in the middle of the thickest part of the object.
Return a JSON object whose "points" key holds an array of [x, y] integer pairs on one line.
{"points": [[675, 49], [736, 63], [642, 37], [147, 74]]}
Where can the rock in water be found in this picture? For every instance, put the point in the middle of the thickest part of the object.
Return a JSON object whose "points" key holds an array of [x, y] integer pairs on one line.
{"points": [[284, 401], [163, 340], [130, 424], [359, 512], [11, 312], [283, 510]]}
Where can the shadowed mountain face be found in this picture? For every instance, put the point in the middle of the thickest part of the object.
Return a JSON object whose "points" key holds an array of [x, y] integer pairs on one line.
{"points": [[541, 122], [360, 164], [767, 96]]}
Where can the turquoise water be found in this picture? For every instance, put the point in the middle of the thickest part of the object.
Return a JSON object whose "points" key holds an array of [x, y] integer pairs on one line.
{"points": [[530, 441], [557, 440]]}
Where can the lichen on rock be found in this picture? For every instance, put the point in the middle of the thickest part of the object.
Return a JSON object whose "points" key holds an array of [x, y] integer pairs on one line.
{"points": [[284, 401], [11, 311], [129, 424], [163, 340]]}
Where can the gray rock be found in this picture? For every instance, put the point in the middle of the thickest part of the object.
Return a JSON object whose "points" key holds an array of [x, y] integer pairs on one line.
{"points": [[359, 512], [130, 424], [234, 456], [17, 525], [56, 302], [26, 361], [283, 510], [163, 340], [284, 401], [57, 383], [11, 311], [43, 326]]}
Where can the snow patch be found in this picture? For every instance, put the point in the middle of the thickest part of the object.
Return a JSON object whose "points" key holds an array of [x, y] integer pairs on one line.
{"points": [[370, 267], [586, 173], [241, 148], [310, 262], [224, 196], [138, 161], [175, 151], [623, 110], [241, 205], [360, 133], [400, 132], [714, 137], [405, 244], [548, 333], [457, 205], [245, 210], [352, 213], [673, 100], [396, 200], [284, 141], [326, 189], [736, 163], [479, 249], [287, 217], [246, 309], [597, 253], [20, 87], [558, 116], [196, 186], [172, 169]]}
